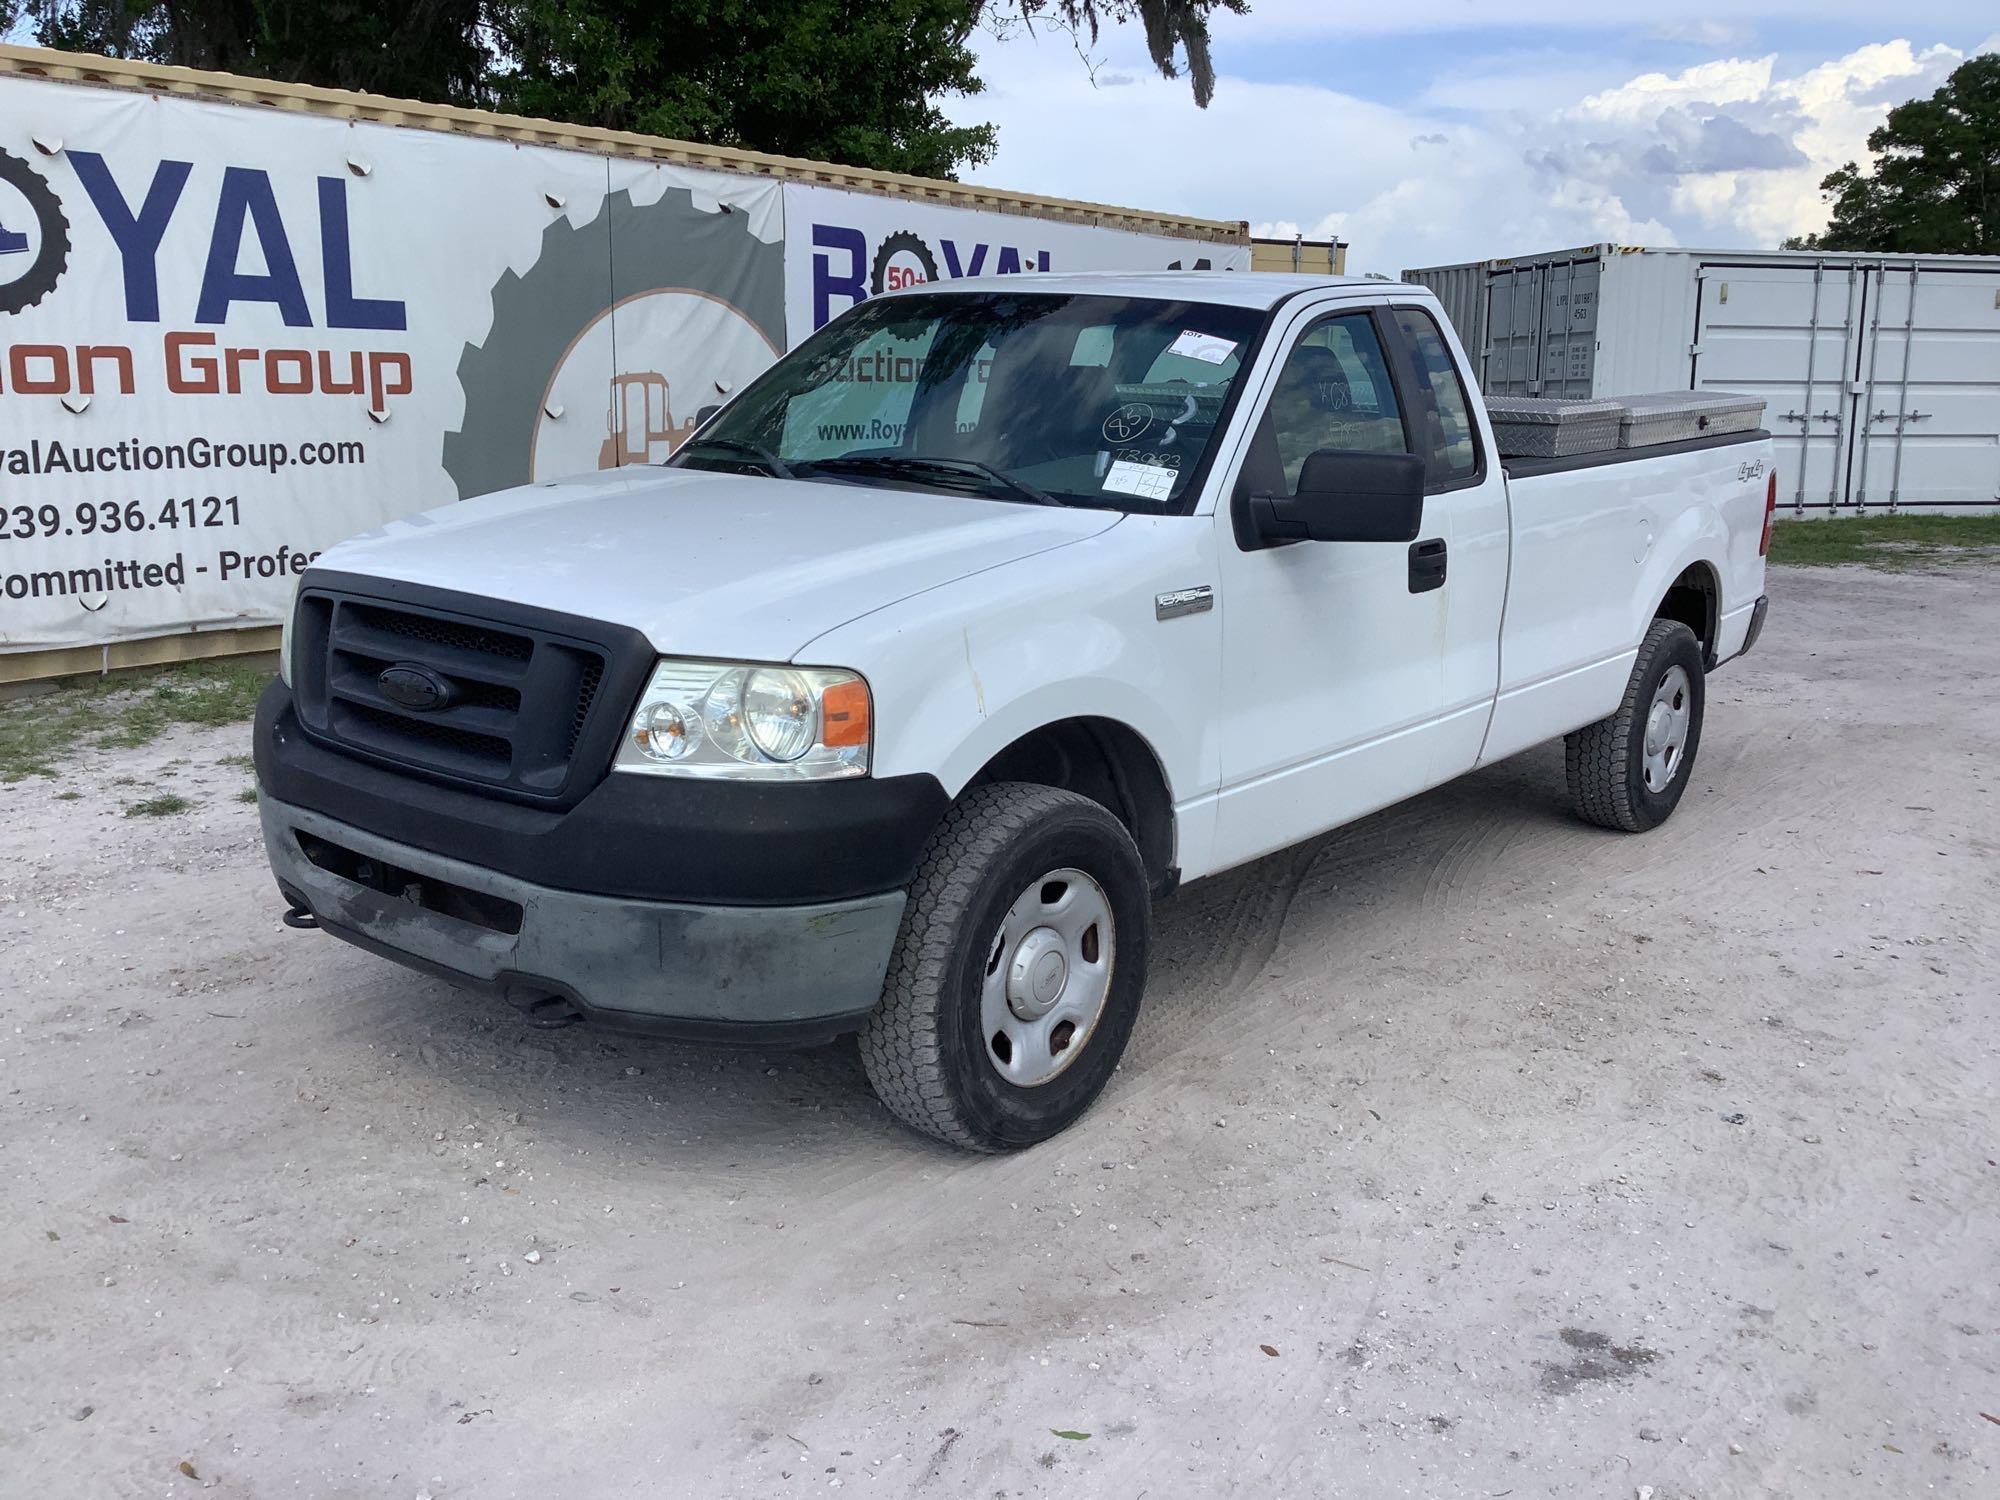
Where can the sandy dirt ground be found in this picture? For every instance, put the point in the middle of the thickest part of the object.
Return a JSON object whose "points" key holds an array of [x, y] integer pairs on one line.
{"points": [[1469, 1151]]}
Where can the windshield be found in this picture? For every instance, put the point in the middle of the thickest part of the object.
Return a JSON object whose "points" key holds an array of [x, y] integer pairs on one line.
{"points": [[1032, 397]]}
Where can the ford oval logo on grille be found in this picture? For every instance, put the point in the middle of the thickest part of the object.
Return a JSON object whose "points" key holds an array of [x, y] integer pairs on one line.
{"points": [[416, 688]]}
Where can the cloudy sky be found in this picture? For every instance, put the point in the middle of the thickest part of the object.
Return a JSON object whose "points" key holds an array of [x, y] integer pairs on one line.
{"points": [[1432, 131]]}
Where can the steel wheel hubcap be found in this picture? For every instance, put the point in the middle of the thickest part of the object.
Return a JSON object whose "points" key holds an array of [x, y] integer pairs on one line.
{"points": [[1667, 728], [1047, 975]]}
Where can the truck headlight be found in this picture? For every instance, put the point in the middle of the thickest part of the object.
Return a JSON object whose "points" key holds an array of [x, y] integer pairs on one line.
{"points": [[745, 722], [285, 635]]}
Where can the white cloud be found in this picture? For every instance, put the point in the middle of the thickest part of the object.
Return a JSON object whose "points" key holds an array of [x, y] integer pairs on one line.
{"points": [[1731, 151], [1726, 152], [1572, 17], [1730, 80], [1704, 33]]}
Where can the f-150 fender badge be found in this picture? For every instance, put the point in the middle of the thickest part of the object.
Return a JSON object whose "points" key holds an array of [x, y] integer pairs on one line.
{"points": [[1177, 602]]}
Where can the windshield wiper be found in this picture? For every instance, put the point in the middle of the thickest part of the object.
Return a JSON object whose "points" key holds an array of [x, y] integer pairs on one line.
{"points": [[758, 451], [915, 464]]}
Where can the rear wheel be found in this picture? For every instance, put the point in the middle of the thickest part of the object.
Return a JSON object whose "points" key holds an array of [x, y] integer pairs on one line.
{"points": [[1018, 971], [1628, 771]]}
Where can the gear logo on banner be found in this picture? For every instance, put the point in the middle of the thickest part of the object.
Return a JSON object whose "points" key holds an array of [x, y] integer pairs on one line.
{"points": [[605, 350], [34, 236], [902, 259]]}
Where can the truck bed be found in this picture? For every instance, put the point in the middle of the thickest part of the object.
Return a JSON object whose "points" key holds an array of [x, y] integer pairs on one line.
{"points": [[1528, 468], [1598, 540]]}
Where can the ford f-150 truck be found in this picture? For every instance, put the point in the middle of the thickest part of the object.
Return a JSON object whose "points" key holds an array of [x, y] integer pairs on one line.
{"points": [[992, 612]]}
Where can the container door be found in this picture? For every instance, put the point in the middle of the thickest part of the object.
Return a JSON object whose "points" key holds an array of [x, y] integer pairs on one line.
{"points": [[1514, 331], [1569, 327], [1931, 401], [1541, 328], [1795, 334]]}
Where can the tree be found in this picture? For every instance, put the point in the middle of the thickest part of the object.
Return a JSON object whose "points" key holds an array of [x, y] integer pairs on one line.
{"points": [[421, 49], [1171, 26], [852, 81], [1936, 182]]}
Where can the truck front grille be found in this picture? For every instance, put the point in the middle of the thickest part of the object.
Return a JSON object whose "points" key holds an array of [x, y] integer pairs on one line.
{"points": [[518, 705]]}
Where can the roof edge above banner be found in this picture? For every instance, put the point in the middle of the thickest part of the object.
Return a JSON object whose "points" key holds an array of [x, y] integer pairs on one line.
{"points": [[378, 109]]}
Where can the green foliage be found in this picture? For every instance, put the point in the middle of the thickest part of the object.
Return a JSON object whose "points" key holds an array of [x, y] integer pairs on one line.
{"points": [[1936, 186], [164, 805], [121, 713], [850, 81], [431, 50], [1900, 541]]}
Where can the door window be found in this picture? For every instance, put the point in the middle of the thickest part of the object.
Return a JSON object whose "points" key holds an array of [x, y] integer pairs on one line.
{"points": [[1334, 392], [1450, 453]]}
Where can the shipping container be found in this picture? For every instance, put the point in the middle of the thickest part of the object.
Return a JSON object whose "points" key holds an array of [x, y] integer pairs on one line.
{"points": [[1299, 256], [1880, 373]]}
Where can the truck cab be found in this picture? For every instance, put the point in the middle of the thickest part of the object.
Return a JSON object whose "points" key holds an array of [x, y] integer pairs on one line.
{"points": [[984, 618]]}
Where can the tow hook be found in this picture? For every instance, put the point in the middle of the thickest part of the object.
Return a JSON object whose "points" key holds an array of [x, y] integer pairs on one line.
{"points": [[302, 918], [547, 1012]]}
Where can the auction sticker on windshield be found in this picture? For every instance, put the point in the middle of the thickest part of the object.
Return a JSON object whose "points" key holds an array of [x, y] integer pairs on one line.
{"points": [[1147, 481], [1206, 347]]}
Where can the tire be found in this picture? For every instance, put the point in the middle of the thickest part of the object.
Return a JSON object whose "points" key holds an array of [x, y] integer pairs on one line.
{"points": [[1615, 775], [926, 1047]]}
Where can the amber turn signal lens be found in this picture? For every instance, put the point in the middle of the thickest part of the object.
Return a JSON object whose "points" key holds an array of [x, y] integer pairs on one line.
{"points": [[844, 716]]}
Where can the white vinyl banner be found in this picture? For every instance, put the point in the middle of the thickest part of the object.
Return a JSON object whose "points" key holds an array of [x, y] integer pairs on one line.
{"points": [[842, 248], [232, 336]]}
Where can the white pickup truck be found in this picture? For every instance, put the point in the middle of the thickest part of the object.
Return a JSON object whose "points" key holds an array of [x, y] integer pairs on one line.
{"points": [[986, 616]]}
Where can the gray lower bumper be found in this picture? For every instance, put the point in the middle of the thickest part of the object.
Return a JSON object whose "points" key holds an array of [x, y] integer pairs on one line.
{"points": [[664, 966], [1756, 629]]}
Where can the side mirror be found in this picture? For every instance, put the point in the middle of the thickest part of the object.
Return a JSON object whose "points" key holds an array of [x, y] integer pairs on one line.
{"points": [[703, 413], [1346, 497]]}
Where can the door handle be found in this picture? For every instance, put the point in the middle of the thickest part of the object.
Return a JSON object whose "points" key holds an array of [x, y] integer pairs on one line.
{"points": [[1427, 562]]}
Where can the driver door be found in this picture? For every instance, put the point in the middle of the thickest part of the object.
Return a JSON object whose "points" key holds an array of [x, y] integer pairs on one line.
{"points": [[1333, 652]]}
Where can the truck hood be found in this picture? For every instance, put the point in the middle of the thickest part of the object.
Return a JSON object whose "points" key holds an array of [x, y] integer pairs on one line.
{"points": [[708, 564]]}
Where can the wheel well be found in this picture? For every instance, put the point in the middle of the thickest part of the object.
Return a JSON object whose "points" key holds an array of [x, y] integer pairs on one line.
{"points": [[1694, 600], [1109, 763]]}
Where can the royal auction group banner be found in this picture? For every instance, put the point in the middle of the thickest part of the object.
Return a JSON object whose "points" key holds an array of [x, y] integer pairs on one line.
{"points": [[231, 336]]}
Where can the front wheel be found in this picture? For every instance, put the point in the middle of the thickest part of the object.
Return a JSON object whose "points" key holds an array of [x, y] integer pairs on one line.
{"points": [[1628, 771], [1018, 970]]}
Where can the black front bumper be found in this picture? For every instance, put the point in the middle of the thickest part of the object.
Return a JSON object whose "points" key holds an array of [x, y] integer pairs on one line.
{"points": [[650, 838], [687, 908]]}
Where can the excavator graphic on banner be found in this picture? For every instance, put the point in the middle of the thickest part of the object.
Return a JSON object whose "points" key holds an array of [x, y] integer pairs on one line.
{"points": [[640, 427], [12, 242]]}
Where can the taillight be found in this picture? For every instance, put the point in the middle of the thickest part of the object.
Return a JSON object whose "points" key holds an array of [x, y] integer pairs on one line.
{"points": [[1770, 513]]}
